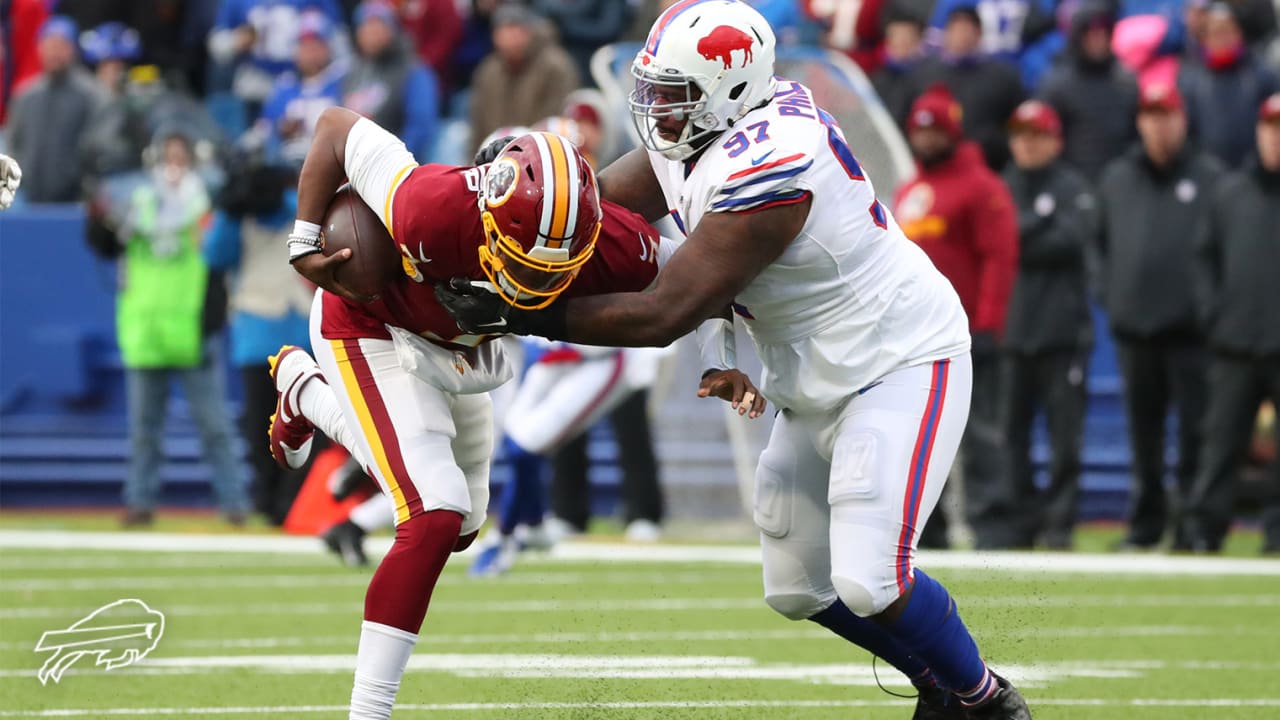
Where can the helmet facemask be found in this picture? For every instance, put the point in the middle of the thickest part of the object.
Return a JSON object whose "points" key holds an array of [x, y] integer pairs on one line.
{"points": [[657, 97], [532, 280]]}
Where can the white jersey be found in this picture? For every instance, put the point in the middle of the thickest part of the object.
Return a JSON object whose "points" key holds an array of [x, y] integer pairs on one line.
{"points": [[851, 299]]}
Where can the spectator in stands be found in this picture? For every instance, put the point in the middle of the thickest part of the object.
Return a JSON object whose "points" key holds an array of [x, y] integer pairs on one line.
{"points": [[255, 42], [1239, 254], [586, 25], [1195, 17], [289, 118], [961, 215], [852, 28], [475, 42], [162, 331], [590, 110], [1020, 32], [114, 141], [157, 22], [1092, 92], [1049, 332], [1257, 20], [525, 79], [1223, 89], [386, 82], [436, 28], [270, 305], [987, 88], [20, 60], [1152, 199], [903, 50], [50, 115], [110, 49]]}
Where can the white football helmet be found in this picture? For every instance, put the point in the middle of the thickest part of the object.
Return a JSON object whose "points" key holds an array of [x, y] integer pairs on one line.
{"points": [[724, 49]]}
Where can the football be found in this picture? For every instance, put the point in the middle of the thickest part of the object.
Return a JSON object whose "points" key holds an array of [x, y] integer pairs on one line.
{"points": [[374, 263]]}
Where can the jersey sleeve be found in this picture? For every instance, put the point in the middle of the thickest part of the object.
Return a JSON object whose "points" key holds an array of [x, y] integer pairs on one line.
{"points": [[377, 163], [626, 255], [764, 178]]}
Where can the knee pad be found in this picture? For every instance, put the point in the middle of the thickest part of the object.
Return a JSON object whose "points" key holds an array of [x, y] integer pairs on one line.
{"points": [[796, 605], [860, 596]]}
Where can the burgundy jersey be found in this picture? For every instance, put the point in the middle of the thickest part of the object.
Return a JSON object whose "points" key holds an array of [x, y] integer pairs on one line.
{"points": [[436, 227]]}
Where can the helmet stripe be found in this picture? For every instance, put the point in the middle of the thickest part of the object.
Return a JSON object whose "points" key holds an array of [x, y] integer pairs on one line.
{"points": [[548, 185], [558, 194], [575, 184], [655, 35]]}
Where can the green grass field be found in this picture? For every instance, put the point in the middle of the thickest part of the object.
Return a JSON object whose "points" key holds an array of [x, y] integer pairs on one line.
{"points": [[267, 627]]}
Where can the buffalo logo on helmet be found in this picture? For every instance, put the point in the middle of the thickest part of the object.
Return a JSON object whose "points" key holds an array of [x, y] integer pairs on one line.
{"points": [[722, 42]]}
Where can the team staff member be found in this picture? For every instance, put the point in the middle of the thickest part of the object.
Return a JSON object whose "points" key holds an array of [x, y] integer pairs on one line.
{"points": [[1239, 254], [1048, 332]]}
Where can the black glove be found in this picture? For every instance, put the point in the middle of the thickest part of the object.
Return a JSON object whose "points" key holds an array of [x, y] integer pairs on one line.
{"points": [[488, 153], [480, 311], [477, 310]]}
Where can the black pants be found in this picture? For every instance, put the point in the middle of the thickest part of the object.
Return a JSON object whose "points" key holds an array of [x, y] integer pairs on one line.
{"points": [[1052, 382], [641, 493], [273, 488], [982, 452], [1156, 374], [1237, 387]]}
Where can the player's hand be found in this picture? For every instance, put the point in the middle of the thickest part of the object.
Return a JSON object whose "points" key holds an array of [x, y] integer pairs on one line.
{"points": [[477, 309], [322, 271], [735, 387], [10, 178], [487, 153]]}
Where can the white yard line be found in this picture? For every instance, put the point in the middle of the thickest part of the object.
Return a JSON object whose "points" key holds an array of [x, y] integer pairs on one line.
{"points": [[662, 553], [641, 667], [741, 635], [690, 604], [650, 705], [354, 578]]}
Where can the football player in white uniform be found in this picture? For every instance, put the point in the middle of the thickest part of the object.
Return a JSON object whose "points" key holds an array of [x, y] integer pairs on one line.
{"points": [[864, 343]]}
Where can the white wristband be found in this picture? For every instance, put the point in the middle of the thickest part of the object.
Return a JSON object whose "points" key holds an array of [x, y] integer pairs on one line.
{"points": [[304, 240], [306, 229], [716, 344]]}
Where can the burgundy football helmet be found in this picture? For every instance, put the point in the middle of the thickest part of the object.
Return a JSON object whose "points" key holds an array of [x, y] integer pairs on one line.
{"points": [[541, 213]]}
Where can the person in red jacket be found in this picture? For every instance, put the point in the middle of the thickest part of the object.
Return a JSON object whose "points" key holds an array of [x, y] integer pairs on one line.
{"points": [[963, 217], [19, 61]]}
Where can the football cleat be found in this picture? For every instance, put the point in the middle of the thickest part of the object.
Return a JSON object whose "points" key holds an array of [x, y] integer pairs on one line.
{"points": [[643, 531], [346, 540], [533, 537], [495, 558], [291, 433], [935, 703], [1006, 704]]}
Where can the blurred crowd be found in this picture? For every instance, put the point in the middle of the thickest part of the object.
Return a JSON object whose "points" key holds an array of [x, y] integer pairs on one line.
{"points": [[1120, 151]]}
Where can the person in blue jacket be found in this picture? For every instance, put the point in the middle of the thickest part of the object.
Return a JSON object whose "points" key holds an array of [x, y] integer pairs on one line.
{"points": [[269, 304]]}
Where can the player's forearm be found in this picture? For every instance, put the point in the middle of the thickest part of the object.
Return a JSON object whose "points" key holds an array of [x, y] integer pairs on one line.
{"points": [[627, 320], [323, 170]]}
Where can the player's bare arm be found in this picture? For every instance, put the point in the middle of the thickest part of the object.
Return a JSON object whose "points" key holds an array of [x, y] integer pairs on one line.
{"points": [[721, 257], [323, 172], [630, 182]]}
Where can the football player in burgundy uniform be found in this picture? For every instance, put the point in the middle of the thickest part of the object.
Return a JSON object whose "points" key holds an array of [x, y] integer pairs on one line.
{"points": [[397, 382]]}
